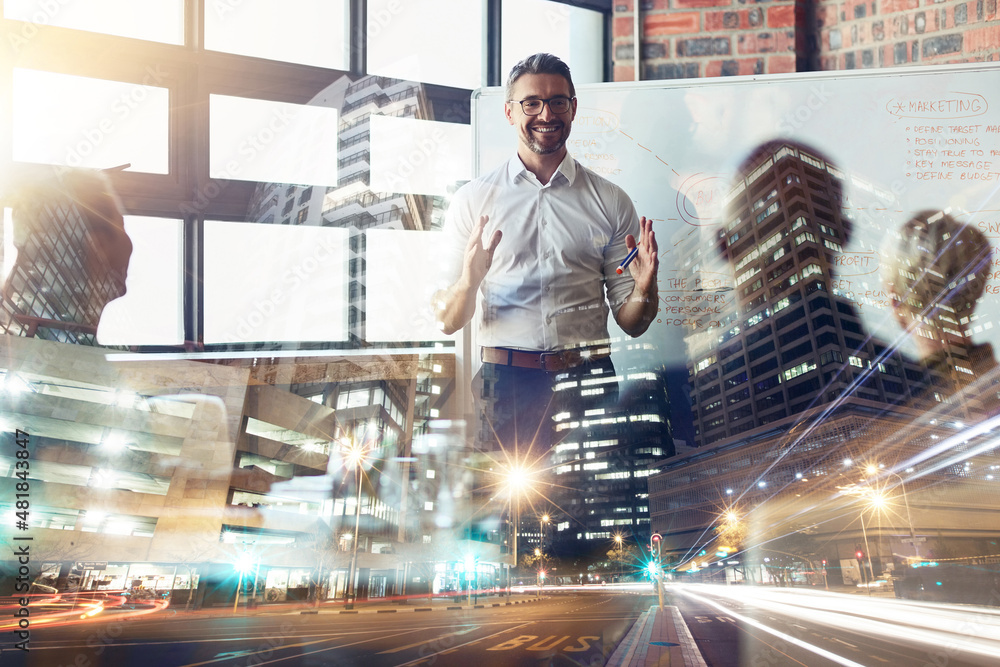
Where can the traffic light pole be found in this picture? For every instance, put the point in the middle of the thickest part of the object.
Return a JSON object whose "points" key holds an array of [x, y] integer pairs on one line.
{"points": [[655, 540]]}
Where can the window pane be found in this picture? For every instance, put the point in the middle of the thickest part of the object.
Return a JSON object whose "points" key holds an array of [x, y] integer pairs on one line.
{"points": [[309, 32], [151, 311], [402, 278], [575, 35], [274, 283], [432, 41], [154, 20], [258, 140], [419, 156], [83, 122]]}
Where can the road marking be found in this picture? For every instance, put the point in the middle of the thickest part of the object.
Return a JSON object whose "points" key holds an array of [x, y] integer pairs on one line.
{"points": [[843, 642], [829, 655], [297, 657], [425, 641], [495, 634]]}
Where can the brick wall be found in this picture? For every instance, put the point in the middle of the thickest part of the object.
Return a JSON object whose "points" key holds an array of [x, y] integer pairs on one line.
{"points": [[698, 38], [885, 33]]}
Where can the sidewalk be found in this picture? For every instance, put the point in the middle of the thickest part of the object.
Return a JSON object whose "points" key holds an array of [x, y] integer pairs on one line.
{"points": [[658, 639]]}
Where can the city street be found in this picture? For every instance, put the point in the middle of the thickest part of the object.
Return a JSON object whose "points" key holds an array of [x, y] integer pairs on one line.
{"points": [[560, 630], [732, 626], [738, 625]]}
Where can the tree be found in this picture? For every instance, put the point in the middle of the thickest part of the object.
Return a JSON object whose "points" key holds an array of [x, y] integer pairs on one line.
{"points": [[327, 553], [622, 557], [783, 555], [198, 553]]}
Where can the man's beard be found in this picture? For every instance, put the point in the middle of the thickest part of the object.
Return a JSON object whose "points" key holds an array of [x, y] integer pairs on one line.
{"points": [[536, 147]]}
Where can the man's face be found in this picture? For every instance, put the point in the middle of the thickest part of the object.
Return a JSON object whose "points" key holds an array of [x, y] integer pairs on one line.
{"points": [[547, 132]]}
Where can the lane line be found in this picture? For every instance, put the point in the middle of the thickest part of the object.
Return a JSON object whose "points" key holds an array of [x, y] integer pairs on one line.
{"points": [[272, 649], [829, 655], [425, 641], [495, 634]]}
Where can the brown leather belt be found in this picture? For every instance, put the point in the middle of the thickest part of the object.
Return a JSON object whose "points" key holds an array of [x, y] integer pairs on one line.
{"points": [[559, 360]]}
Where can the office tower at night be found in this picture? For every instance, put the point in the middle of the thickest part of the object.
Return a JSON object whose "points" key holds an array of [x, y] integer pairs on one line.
{"points": [[794, 337], [603, 455]]}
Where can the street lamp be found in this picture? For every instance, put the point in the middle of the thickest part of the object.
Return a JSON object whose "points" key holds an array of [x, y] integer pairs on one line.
{"points": [[244, 564], [872, 471], [518, 480], [618, 543], [355, 456], [542, 520]]}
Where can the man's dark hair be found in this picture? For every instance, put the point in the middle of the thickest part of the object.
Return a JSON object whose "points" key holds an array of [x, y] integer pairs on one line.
{"points": [[540, 63]]}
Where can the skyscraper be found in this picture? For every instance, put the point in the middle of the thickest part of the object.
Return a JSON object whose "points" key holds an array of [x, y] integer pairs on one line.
{"points": [[794, 336]]}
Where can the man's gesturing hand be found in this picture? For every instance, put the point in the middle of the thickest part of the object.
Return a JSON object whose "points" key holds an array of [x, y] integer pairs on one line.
{"points": [[639, 309], [477, 258], [644, 267], [456, 305]]}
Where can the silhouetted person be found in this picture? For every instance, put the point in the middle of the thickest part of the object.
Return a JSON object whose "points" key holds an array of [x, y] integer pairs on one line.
{"points": [[797, 339], [936, 272], [72, 255]]}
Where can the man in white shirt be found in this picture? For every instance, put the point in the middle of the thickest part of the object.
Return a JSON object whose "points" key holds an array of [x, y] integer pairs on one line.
{"points": [[556, 233]]}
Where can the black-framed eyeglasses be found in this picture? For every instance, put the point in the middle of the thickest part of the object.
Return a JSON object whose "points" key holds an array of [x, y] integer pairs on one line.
{"points": [[557, 105]]}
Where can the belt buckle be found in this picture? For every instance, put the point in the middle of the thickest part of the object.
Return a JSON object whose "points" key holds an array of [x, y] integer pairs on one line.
{"points": [[559, 362], [562, 360]]}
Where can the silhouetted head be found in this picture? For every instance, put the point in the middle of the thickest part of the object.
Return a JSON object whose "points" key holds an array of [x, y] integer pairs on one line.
{"points": [[938, 268], [813, 169], [72, 249]]}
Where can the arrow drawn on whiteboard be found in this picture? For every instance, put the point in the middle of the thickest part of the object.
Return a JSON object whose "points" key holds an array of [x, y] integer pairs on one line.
{"points": [[665, 164]]}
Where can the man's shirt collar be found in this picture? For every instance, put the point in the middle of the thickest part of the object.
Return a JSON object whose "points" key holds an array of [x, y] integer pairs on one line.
{"points": [[567, 169]]}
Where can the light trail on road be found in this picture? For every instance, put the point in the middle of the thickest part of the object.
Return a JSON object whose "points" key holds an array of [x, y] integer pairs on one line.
{"points": [[974, 630]]}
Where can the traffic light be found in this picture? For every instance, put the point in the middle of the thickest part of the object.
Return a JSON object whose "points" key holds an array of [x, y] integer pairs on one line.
{"points": [[859, 554], [654, 544]]}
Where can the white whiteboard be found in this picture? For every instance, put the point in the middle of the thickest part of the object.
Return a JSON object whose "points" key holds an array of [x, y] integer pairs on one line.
{"points": [[674, 147]]}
